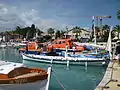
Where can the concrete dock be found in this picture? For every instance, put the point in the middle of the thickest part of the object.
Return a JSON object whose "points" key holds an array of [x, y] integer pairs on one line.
{"points": [[111, 79]]}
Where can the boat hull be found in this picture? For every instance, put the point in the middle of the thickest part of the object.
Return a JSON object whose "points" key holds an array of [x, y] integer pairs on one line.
{"points": [[39, 85], [30, 52], [65, 61]]}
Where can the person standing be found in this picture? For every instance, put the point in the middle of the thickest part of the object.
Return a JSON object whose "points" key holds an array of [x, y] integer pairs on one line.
{"points": [[117, 52]]}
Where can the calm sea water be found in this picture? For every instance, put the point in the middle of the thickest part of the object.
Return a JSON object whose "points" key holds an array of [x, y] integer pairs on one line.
{"points": [[76, 78]]}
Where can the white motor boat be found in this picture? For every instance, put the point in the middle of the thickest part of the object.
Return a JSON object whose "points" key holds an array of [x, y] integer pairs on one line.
{"points": [[15, 76]]}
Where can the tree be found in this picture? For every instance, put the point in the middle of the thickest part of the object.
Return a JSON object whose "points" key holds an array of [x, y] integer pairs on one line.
{"points": [[117, 29], [2, 34], [118, 14], [62, 34], [33, 26], [57, 34], [40, 32], [77, 31], [105, 31], [96, 32], [18, 30], [32, 31], [50, 31]]}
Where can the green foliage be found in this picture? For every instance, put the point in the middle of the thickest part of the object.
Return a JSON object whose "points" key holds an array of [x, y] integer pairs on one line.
{"points": [[27, 32], [50, 31], [76, 29], [117, 29], [101, 33], [118, 14], [57, 34]]}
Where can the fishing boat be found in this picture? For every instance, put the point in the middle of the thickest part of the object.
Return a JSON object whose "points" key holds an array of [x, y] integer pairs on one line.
{"points": [[66, 59], [31, 48], [15, 76], [60, 45]]}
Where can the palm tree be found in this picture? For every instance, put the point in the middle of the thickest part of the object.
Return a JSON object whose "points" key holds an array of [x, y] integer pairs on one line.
{"points": [[57, 34], [62, 33], [118, 14], [105, 28], [117, 29], [50, 31], [77, 31], [105, 31]]}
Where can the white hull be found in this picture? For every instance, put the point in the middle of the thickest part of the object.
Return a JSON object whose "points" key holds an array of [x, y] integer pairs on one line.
{"points": [[20, 85], [40, 85], [2, 46], [61, 60]]}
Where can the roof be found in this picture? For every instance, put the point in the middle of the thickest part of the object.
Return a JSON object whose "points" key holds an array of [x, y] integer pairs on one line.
{"points": [[6, 67]]}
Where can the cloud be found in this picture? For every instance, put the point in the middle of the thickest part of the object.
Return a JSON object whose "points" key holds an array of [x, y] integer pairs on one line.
{"points": [[10, 17], [32, 16]]}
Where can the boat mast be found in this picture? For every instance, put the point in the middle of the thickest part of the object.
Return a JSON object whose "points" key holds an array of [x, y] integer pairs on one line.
{"points": [[93, 23], [93, 27]]}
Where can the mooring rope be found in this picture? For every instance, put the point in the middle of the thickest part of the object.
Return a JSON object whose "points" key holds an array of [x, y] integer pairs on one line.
{"points": [[60, 82]]}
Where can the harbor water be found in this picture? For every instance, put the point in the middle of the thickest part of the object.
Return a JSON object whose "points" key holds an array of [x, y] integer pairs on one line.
{"points": [[62, 78]]}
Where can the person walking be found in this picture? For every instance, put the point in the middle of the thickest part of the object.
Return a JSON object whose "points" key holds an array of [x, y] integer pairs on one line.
{"points": [[117, 52]]}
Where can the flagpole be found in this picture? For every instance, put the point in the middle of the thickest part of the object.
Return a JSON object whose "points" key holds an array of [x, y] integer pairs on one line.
{"points": [[93, 27], [93, 22]]}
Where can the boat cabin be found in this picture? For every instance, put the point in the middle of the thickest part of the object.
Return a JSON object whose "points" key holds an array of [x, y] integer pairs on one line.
{"points": [[61, 43], [31, 48]]}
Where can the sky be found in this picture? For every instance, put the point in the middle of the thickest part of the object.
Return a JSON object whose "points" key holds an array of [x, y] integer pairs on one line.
{"points": [[56, 13]]}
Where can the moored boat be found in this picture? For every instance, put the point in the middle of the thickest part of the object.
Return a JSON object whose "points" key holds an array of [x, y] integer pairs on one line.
{"points": [[67, 59], [31, 48], [15, 76], [61, 44], [3, 45]]}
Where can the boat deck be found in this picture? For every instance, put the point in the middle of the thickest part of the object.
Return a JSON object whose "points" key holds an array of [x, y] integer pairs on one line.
{"points": [[111, 79], [27, 75]]}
